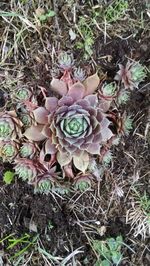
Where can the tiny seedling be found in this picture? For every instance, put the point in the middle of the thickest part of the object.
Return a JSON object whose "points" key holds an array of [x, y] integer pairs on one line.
{"points": [[8, 177], [50, 226], [109, 251], [47, 15]]}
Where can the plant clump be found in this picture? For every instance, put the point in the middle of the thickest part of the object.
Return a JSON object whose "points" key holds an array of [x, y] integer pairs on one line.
{"points": [[71, 130]]}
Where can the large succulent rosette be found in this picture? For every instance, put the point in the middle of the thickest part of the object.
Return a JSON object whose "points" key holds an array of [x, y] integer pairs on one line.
{"points": [[74, 125]]}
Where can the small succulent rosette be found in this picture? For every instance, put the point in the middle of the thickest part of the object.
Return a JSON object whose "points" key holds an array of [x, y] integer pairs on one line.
{"points": [[28, 150], [27, 169], [21, 94], [9, 149], [10, 126], [131, 75], [46, 182], [108, 91], [83, 182]]}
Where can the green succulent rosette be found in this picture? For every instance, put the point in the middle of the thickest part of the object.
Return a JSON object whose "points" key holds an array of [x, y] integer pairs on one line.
{"points": [[65, 60], [109, 90], [43, 187], [138, 73], [28, 150], [23, 94], [10, 126], [5, 129], [8, 150], [26, 169], [74, 126]]}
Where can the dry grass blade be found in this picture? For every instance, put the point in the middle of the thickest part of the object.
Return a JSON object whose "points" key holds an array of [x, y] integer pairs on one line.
{"points": [[71, 255]]}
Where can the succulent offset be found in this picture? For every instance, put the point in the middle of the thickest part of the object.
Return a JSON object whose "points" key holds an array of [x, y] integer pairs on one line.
{"points": [[22, 94], [10, 126], [8, 150], [72, 130], [28, 150], [131, 75], [108, 91]]}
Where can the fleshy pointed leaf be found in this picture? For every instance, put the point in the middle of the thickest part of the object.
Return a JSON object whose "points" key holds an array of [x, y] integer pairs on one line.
{"points": [[81, 162], [63, 158], [41, 115], [91, 84], [104, 105], [94, 148], [77, 91], [106, 134], [105, 122], [65, 100], [68, 171], [34, 133], [46, 131], [92, 99], [42, 155], [49, 147], [59, 86], [51, 103]]}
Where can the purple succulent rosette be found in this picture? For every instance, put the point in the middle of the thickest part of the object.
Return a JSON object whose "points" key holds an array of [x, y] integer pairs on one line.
{"points": [[74, 126]]}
